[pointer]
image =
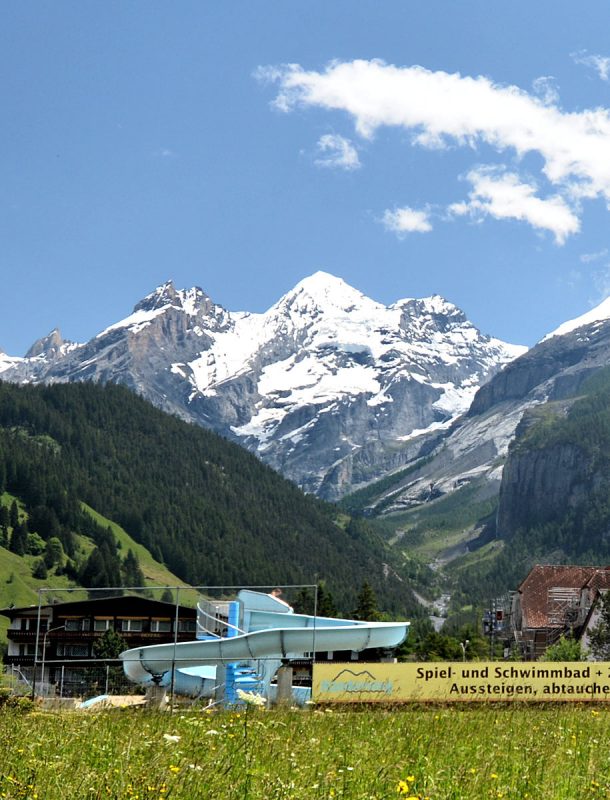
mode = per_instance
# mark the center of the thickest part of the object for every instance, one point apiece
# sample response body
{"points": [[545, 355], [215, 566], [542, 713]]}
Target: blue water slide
{"points": [[271, 633]]}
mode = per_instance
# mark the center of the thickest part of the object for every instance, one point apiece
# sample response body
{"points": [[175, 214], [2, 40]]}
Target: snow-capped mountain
{"points": [[474, 449], [597, 315], [325, 374]]}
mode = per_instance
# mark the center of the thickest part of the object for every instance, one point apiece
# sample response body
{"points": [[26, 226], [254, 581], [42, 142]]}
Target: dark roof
{"points": [[117, 604]]}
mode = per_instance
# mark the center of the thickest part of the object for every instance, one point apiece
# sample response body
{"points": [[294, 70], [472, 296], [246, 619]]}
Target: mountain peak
{"points": [[48, 345], [434, 304], [324, 291], [600, 313], [321, 281], [163, 295], [189, 300]]}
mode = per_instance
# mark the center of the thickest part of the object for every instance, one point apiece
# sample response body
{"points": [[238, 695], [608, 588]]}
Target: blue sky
{"points": [[412, 148]]}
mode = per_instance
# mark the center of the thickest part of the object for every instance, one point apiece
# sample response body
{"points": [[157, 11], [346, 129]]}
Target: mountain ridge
{"points": [[322, 375]]}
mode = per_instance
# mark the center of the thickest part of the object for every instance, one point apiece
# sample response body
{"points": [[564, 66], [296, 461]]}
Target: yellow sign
{"points": [[461, 681]]}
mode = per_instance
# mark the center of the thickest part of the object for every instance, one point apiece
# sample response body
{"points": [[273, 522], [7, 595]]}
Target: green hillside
{"points": [[97, 463]]}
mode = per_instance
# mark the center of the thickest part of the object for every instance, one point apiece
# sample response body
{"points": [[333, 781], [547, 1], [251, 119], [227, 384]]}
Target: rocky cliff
{"points": [[556, 485], [541, 483]]}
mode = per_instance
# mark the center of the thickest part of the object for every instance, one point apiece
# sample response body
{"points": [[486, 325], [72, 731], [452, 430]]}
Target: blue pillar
{"points": [[230, 685]]}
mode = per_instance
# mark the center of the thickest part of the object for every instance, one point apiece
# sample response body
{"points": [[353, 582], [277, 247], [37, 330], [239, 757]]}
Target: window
{"points": [[187, 625], [102, 624], [77, 624], [29, 650], [160, 625], [73, 650], [131, 625], [29, 624]]}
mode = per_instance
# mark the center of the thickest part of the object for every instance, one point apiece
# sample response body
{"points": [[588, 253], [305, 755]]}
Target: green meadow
{"points": [[473, 752]]}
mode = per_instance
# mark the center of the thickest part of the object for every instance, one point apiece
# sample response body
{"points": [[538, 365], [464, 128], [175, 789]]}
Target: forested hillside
{"points": [[206, 508]]}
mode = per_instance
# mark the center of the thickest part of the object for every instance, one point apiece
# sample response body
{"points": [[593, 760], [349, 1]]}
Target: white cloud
{"points": [[441, 109], [588, 258], [406, 220], [601, 64], [336, 151], [546, 89], [503, 196]]}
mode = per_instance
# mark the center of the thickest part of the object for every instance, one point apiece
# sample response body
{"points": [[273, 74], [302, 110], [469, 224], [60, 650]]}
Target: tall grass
{"points": [[475, 752]]}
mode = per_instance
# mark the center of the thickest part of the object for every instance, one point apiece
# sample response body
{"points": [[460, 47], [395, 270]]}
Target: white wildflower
{"points": [[251, 698]]}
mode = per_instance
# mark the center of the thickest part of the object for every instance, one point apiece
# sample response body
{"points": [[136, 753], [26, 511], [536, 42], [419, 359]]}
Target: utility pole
{"points": [[493, 623]]}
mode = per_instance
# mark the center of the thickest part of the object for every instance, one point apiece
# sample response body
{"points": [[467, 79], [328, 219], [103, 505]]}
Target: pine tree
{"points": [[101, 571], [304, 602], [19, 539], [132, 573], [13, 514], [367, 609], [40, 570], [326, 604]]}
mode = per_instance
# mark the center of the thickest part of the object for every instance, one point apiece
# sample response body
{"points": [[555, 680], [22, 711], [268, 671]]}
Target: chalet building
{"points": [[554, 600], [67, 632]]}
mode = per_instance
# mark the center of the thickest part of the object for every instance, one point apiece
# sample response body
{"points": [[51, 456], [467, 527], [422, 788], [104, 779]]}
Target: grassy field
{"points": [[438, 753]]}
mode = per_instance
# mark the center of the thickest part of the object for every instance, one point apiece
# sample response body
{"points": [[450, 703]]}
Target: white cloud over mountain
{"points": [[442, 110], [503, 196]]}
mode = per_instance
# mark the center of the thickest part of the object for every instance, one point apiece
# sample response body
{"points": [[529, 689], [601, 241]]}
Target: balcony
{"points": [[18, 661], [22, 636]]}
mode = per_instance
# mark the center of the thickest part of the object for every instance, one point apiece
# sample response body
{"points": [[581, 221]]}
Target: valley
{"points": [[406, 415]]}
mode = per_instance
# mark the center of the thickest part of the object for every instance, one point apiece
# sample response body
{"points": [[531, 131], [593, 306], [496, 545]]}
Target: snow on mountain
{"points": [[600, 314], [323, 373], [340, 340], [9, 362]]}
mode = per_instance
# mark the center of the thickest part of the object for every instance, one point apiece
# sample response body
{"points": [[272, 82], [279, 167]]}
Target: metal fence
{"points": [[82, 679]]}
